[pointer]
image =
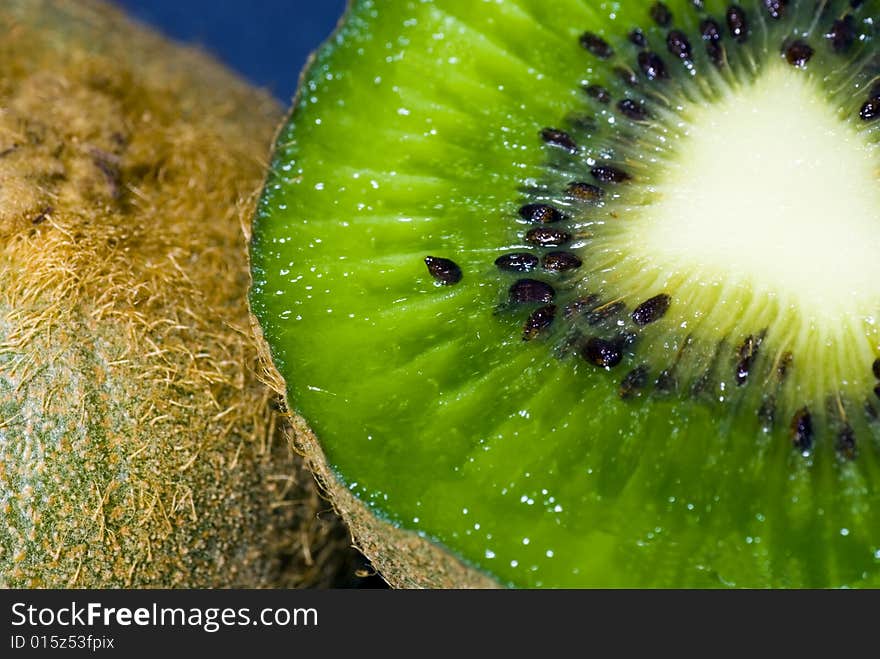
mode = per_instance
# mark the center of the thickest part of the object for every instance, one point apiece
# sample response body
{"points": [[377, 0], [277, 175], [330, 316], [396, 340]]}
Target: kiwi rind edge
{"points": [[404, 559]]}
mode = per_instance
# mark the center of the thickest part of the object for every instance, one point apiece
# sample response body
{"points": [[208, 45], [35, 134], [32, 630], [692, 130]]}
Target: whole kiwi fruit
{"points": [[575, 293], [138, 445]]}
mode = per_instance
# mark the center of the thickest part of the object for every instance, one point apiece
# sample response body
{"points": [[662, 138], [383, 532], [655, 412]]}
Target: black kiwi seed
{"points": [[599, 93], [677, 44], [548, 237], [776, 8], [633, 109], [600, 352], [875, 367], [638, 38], [596, 45], [584, 191], [798, 53], [556, 137], [651, 310], [543, 213], [711, 33], [870, 110], [842, 34], [608, 174], [633, 382], [802, 430], [652, 66], [560, 261], [627, 76], [539, 320], [846, 442], [743, 367], [443, 270], [737, 23], [710, 30], [524, 291], [877, 391], [517, 262], [661, 14]]}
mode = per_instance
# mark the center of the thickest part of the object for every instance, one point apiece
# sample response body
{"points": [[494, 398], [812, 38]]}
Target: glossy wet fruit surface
{"points": [[586, 292]]}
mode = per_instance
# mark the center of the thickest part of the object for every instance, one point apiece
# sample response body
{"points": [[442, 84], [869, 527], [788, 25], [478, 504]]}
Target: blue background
{"points": [[267, 41]]}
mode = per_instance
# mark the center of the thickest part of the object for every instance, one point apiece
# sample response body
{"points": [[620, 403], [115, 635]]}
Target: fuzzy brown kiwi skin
{"points": [[403, 558], [138, 446]]}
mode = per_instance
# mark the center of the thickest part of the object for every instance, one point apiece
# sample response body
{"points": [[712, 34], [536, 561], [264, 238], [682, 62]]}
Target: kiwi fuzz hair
{"points": [[139, 446]]}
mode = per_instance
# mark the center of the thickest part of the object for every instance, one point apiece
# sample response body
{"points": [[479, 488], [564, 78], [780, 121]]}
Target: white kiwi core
{"points": [[772, 190]]}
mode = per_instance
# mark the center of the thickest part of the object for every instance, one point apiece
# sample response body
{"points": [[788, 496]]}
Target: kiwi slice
{"points": [[138, 445], [585, 294]]}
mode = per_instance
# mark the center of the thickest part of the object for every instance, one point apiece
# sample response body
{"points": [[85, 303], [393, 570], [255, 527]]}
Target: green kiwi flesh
{"points": [[138, 445], [584, 294]]}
